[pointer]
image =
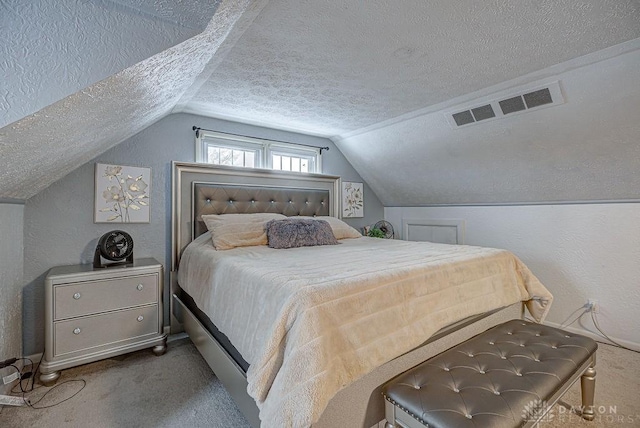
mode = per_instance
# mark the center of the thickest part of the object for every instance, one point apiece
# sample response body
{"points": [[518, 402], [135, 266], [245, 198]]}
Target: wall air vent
{"points": [[506, 103], [538, 98], [512, 105], [463, 118], [483, 112]]}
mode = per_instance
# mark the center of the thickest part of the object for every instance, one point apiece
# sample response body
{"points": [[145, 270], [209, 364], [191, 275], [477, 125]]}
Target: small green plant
{"points": [[376, 233]]}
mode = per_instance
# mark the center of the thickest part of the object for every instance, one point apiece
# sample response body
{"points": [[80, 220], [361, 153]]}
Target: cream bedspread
{"points": [[312, 320]]}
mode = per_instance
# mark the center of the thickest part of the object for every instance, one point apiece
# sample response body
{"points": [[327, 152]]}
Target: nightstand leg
{"points": [[160, 349], [49, 379]]}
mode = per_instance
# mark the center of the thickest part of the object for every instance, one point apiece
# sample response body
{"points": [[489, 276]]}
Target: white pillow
{"points": [[341, 230], [238, 230]]}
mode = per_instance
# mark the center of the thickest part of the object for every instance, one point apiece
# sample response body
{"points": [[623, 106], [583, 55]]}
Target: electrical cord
{"points": [[597, 325], [32, 375], [27, 389], [564, 324], [584, 311], [17, 370], [33, 381], [26, 359], [33, 404], [24, 375], [594, 318]]}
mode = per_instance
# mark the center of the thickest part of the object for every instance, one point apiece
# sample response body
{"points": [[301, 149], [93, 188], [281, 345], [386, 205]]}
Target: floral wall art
{"points": [[352, 199], [122, 194]]}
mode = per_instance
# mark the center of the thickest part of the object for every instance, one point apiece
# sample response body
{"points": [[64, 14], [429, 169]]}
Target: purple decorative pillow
{"points": [[291, 233]]}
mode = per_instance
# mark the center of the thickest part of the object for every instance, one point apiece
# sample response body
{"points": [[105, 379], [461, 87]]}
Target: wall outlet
{"points": [[593, 304]]}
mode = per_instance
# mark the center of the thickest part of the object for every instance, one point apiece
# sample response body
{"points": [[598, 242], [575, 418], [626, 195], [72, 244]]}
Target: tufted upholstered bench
{"points": [[508, 376]]}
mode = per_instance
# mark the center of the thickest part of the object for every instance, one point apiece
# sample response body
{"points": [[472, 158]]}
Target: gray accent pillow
{"points": [[292, 233]]}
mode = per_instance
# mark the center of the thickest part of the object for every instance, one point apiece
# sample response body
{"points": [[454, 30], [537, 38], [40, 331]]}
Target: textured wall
{"points": [[332, 67], [53, 48], [585, 149], [59, 226], [11, 275], [577, 252], [72, 131]]}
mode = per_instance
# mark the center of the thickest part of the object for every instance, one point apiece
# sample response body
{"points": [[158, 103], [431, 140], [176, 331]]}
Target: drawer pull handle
{"points": [[140, 287], [140, 318], [76, 330], [77, 296]]}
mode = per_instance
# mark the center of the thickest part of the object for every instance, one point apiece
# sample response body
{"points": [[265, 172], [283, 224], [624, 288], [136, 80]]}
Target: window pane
{"points": [[292, 162], [213, 154], [249, 152], [295, 164], [226, 156], [286, 163], [238, 158], [250, 159]]}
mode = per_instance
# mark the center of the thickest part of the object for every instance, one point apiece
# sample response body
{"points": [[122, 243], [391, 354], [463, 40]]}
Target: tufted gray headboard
{"points": [[239, 199], [211, 189]]}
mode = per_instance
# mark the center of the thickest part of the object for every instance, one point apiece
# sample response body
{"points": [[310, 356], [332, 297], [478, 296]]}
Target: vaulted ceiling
{"points": [[84, 76], [332, 67]]}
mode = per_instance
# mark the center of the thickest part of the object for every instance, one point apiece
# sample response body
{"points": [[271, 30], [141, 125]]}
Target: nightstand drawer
{"points": [[92, 297], [99, 330]]}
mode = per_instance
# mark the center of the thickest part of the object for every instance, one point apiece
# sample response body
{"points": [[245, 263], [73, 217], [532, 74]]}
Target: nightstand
{"points": [[92, 314]]}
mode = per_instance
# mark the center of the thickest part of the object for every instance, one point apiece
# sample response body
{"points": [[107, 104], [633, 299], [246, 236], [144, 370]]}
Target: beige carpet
{"points": [[179, 390], [617, 393]]}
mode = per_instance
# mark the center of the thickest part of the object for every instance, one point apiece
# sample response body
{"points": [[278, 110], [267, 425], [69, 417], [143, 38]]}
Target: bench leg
{"points": [[588, 384], [390, 415]]}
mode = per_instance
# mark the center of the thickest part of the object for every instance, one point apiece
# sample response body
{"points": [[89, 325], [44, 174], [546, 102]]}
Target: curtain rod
{"points": [[198, 129]]}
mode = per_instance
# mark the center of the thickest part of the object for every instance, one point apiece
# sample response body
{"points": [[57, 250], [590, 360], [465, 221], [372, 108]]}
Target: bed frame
{"points": [[205, 189]]}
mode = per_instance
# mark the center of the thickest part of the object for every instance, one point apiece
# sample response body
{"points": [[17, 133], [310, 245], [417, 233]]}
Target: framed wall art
{"points": [[122, 194], [352, 199]]}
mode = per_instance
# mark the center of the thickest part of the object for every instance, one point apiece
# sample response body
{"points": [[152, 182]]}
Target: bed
{"points": [[309, 334]]}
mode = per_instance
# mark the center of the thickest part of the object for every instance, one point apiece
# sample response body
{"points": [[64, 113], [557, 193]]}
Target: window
{"points": [[234, 150], [286, 158]]}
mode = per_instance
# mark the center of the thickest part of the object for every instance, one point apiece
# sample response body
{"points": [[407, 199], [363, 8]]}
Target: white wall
{"points": [[577, 252], [11, 275], [587, 149]]}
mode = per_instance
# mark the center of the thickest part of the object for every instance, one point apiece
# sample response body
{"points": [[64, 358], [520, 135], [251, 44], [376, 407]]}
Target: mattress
{"points": [[312, 320]]}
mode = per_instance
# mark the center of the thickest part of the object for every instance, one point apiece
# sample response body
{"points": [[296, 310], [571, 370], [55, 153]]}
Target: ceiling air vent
{"points": [[495, 107]]}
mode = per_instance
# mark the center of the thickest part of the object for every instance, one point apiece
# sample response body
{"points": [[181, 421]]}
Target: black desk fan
{"points": [[116, 246], [386, 228]]}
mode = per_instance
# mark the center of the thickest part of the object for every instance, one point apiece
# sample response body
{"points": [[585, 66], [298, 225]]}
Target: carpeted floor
{"points": [[617, 393], [179, 390], [139, 389]]}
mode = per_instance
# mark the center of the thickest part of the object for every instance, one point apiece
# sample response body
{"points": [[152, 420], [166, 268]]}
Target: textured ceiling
{"points": [[81, 76], [51, 49], [194, 14], [329, 67], [43, 147]]}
